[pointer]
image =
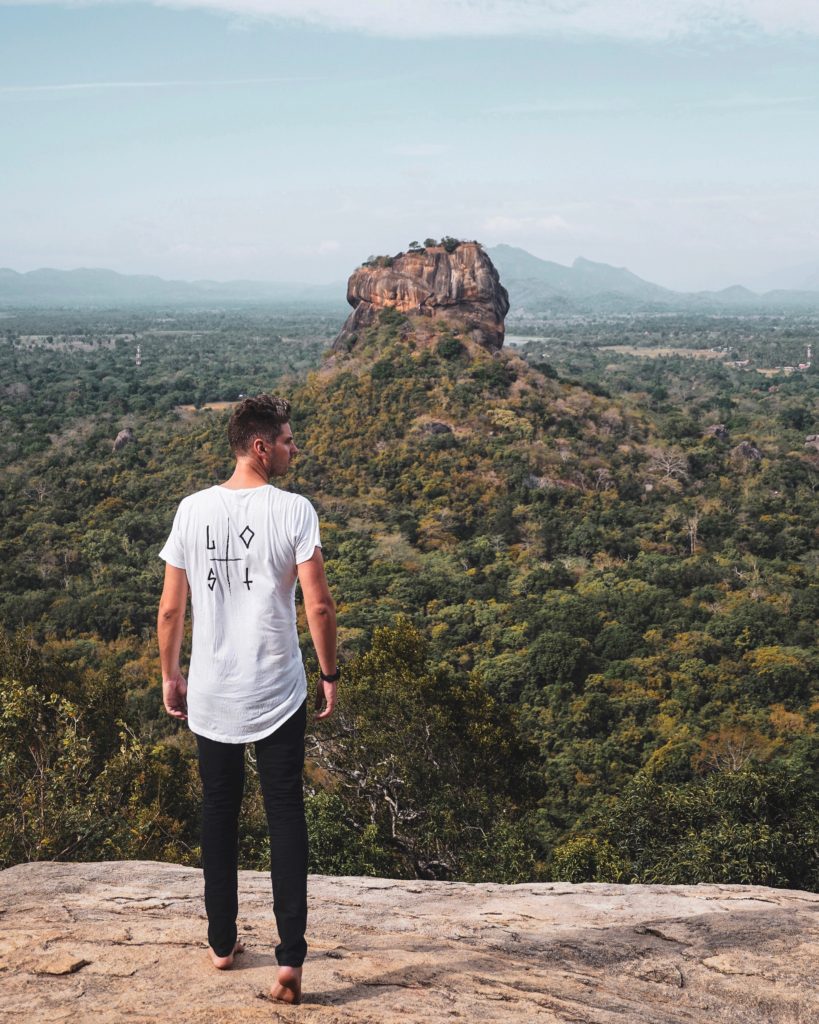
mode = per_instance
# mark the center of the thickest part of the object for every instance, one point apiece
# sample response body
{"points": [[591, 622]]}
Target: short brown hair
{"points": [[262, 416]]}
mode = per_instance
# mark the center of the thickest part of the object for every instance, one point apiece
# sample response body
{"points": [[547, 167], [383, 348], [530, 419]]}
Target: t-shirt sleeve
{"points": [[174, 552], [306, 537]]}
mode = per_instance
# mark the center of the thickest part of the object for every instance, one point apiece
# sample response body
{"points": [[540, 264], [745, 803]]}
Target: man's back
{"points": [[240, 549]]}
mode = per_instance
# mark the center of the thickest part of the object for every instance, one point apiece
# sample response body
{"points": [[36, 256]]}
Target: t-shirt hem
{"points": [[254, 736]]}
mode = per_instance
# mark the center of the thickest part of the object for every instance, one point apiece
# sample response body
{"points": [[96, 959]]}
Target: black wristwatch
{"points": [[332, 678]]}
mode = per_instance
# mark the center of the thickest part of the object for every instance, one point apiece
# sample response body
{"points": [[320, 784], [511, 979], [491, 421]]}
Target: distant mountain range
{"points": [[535, 286], [804, 277], [540, 286], [101, 288]]}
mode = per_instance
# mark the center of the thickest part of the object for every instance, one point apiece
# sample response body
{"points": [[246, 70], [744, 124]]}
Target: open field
{"points": [[68, 343], [216, 406], [656, 353]]}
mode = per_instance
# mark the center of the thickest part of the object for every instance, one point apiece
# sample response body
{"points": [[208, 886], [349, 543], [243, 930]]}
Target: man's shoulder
{"points": [[197, 498], [295, 502]]}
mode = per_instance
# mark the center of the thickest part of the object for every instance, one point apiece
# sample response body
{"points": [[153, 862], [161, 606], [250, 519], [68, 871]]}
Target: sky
{"points": [[290, 139]]}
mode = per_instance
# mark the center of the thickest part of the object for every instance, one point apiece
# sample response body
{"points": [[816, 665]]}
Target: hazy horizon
{"points": [[340, 282], [271, 140]]}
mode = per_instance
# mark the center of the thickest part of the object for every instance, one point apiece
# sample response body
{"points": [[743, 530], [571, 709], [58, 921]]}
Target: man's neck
{"points": [[246, 474]]}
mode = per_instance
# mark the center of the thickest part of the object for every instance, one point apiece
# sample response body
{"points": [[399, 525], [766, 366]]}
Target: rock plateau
{"points": [[114, 942], [458, 290]]}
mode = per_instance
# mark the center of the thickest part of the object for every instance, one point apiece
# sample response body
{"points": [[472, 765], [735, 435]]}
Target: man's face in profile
{"points": [[280, 451]]}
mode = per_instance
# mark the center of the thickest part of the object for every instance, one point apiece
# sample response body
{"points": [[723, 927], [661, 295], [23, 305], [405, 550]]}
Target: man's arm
{"points": [[170, 626], [321, 619]]}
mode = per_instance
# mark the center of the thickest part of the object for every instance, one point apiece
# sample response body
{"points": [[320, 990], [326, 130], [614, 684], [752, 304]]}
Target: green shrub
{"points": [[449, 348]]}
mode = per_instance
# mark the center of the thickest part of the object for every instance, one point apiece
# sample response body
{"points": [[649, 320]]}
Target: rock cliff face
{"points": [[107, 943], [460, 290]]}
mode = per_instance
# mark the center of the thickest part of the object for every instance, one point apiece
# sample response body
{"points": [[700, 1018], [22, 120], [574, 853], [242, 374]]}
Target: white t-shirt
{"points": [[240, 549]]}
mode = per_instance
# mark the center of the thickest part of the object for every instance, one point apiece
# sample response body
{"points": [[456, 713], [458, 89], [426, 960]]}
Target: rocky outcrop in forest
{"points": [[457, 289], [125, 436], [110, 942]]}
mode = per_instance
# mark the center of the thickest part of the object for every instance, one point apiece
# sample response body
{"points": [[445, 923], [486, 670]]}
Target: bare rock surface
{"points": [[125, 436], [746, 450], [460, 290], [125, 941]]}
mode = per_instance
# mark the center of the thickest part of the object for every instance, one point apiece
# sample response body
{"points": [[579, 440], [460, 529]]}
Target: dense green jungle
{"points": [[576, 582]]}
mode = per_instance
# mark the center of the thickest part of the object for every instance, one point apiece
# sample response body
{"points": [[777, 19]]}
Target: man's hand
{"points": [[170, 625], [325, 699], [321, 618], [174, 696]]}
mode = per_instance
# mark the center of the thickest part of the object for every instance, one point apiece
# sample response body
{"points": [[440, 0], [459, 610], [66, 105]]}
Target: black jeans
{"points": [[280, 761]]}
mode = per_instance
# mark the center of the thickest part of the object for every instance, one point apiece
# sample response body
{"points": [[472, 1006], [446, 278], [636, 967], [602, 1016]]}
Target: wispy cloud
{"points": [[328, 246], [647, 104], [623, 19], [181, 83], [549, 225], [754, 102], [419, 150], [559, 108]]}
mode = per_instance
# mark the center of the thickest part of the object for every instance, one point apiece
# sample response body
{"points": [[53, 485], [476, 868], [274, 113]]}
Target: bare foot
{"points": [[287, 988], [222, 963]]}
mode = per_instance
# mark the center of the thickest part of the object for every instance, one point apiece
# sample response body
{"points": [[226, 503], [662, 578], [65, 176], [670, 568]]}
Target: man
{"points": [[239, 547]]}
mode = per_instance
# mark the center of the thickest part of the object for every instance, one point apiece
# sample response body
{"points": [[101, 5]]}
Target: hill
{"points": [[541, 286], [577, 601], [583, 279]]}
